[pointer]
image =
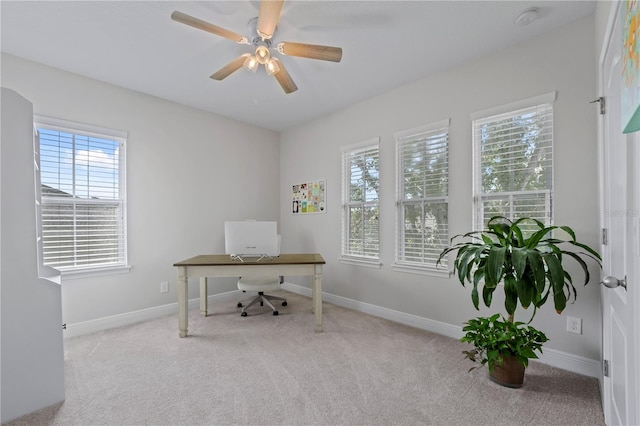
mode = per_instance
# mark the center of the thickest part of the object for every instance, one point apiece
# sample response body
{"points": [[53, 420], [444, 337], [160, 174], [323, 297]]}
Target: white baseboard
{"points": [[552, 357], [100, 324], [571, 362], [379, 311], [555, 358]]}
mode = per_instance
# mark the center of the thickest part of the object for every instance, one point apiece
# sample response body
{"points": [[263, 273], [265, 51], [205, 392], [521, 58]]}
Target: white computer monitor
{"points": [[251, 239]]}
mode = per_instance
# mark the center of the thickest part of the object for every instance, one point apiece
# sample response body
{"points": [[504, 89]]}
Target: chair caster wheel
{"points": [[261, 303], [239, 305], [275, 312], [284, 303], [244, 314]]}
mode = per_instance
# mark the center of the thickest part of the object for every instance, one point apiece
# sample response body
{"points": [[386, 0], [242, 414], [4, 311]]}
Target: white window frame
{"points": [[515, 109], [121, 265], [371, 257], [44, 271], [402, 259]]}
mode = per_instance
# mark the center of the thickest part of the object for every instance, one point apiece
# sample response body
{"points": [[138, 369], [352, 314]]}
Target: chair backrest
{"points": [[252, 238]]}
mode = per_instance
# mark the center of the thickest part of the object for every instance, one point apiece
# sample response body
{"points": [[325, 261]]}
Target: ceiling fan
{"points": [[262, 29]]}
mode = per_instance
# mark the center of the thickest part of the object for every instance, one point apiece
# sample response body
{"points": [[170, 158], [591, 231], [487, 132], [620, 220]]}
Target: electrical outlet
{"points": [[164, 287], [574, 325]]}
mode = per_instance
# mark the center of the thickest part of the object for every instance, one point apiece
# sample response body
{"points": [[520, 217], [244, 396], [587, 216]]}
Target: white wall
{"points": [[561, 61], [187, 172], [32, 372]]}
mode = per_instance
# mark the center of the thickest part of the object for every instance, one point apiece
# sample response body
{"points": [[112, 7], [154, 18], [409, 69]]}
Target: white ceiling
{"points": [[386, 44]]}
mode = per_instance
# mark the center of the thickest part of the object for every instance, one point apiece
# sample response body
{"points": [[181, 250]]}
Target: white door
{"points": [[620, 213]]}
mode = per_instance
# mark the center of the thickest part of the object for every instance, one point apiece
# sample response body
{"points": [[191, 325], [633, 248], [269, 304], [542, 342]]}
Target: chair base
{"points": [[262, 298]]}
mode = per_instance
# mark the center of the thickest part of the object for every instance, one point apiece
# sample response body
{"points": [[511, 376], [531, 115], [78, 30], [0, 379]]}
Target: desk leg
{"points": [[203, 296], [313, 294], [317, 297], [183, 302]]}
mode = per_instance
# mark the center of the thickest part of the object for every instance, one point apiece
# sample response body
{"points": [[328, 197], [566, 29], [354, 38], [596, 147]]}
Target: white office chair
{"points": [[255, 239], [261, 285]]}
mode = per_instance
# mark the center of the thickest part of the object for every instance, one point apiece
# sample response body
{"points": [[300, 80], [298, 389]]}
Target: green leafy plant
{"points": [[526, 256], [494, 338]]}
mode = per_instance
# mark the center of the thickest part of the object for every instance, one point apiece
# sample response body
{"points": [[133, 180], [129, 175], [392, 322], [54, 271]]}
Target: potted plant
{"points": [[504, 346], [526, 257]]}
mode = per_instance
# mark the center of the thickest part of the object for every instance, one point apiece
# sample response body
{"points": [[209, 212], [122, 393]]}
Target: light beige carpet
{"points": [[275, 370]]}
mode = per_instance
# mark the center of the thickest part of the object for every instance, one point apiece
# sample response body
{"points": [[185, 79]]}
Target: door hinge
{"points": [[605, 368], [602, 102], [64, 326], [605, 241]]}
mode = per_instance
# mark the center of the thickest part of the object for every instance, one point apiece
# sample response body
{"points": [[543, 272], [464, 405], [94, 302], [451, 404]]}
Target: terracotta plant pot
{"points": [[510, 373]]}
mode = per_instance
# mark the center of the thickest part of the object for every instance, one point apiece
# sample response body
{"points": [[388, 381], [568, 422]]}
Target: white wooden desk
{"points": [[221, 265]]}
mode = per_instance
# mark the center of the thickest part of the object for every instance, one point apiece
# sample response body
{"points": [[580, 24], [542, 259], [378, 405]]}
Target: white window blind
{"points": [[513, 165], [83, 198], [423, 190], [361, 176]]}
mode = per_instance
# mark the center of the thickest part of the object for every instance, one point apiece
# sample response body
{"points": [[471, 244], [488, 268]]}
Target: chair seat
{"points": [[259, 284]]}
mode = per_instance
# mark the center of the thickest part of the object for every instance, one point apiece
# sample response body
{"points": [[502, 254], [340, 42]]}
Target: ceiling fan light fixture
{"points": [[262, 30], [263, 55], [251, 63], [272, 67]]}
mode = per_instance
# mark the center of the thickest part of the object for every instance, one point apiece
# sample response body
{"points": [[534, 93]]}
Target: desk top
{"points": [[225, 259]]}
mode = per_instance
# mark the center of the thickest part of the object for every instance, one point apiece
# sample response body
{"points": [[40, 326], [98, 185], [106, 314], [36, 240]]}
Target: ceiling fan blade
{"points": [[284, 79], [205, 26], [313, 51], [268, 17], [230, 68]]}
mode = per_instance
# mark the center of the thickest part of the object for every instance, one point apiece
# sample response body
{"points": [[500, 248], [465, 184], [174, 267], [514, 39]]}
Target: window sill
{"points": [[368, 263], [77, 274], [421, 270]]}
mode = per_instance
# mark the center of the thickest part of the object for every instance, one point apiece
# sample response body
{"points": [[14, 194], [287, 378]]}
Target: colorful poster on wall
{"points": [[631, 66], [309, 197]]}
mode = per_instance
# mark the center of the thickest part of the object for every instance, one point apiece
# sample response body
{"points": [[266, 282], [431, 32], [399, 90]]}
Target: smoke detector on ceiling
{"points": [[527, 16]]}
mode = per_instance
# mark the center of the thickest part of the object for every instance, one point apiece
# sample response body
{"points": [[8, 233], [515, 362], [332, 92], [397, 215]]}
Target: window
{"points": [[422, 196], [360, 183], [83, 203], [513, 170]]}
